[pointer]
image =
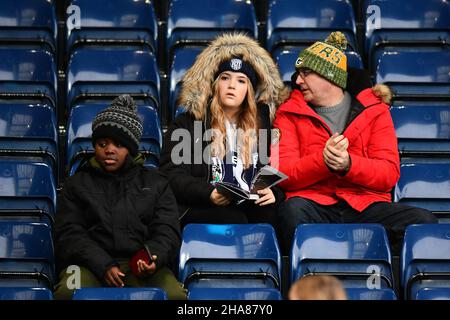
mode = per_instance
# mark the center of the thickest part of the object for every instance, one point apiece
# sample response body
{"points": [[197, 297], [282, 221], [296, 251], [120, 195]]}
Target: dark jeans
{"points": [[395, 217]]}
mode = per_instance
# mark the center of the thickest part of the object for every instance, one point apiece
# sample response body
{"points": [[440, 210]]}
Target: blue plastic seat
{"points": [[230, 256], [290, 23], [28, 23], [28, 74], [425, 260], [119, 294], [370, 294], [425, 183], [103, 74], [351, 252], [11, 293], [395, 24], [421, 128], [433, 294], [287, 57], [79, 131], [234, 294], [26, 258], [29, 130], [416, 75], [196, 22], [28, 189], [183, 59], [109, 23]]}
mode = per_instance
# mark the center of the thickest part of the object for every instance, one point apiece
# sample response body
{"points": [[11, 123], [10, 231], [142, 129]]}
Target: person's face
{"points": [[233, 88], [110, 155], [315, 89]]}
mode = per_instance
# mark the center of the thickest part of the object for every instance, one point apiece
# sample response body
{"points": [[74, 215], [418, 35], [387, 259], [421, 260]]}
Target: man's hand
{"points": [[219, 199], [113, 277], [335, 153], [146, 269], [266, 197]]}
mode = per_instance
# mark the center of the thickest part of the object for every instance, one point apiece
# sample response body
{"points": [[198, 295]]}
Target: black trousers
{"points": [[395, 217], [246, 212]]}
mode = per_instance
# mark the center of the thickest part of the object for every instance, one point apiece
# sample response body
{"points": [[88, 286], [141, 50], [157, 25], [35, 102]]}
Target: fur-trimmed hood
{"points": [[197, 91], [383, 92]]}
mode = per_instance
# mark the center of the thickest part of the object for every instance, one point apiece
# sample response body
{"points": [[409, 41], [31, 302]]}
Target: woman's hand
{"points": [[146, 269], [266, 197], [219, 199], [113, 277]]}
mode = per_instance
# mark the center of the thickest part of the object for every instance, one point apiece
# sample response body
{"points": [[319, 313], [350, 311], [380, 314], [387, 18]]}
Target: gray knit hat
{"points": [[119, 122]]}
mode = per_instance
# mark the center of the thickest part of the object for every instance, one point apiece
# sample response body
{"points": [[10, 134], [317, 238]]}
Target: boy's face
{"points": [[110, 154]]}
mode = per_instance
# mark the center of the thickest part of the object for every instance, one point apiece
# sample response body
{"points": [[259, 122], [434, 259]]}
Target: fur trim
{"points": [[196, 90], [383, 92]]}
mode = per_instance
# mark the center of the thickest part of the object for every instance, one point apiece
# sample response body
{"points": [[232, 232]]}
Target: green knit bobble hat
{"points": [[327, 58]]}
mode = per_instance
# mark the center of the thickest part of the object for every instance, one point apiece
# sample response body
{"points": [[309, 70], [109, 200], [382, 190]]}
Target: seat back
{"points": [[196, 22], [425, 182], [231, 254], [394, 24], [122, 23], [370, 294], [425, 260], [119, 294], [14, 293], [28, 23], [433, 294], [348, 251], [103, 74], [234, 294], [28, 74], [291, 23], [27, 254]]}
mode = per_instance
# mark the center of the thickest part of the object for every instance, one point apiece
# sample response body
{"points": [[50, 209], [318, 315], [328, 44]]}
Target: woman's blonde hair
{"points": [[247, 125]]}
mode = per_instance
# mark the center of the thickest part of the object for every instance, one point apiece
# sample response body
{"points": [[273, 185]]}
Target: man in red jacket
{"points": [[340, 152]]}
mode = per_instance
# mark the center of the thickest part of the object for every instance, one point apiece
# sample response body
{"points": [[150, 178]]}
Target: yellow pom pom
{"points": [[338, 40]]}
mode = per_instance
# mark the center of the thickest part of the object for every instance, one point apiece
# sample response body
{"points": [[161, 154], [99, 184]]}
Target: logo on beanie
{"points": [[298, 62], [236, 64]]}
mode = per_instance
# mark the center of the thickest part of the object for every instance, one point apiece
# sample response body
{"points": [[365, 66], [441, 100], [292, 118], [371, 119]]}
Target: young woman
{"points": [[230, 96]]}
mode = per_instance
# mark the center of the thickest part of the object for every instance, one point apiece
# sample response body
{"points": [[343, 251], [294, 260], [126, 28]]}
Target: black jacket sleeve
{"points": [[188, 189], [72, 242], [164, 229]]}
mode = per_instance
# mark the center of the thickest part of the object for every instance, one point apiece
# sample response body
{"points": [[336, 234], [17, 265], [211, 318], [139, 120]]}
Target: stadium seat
{"points": [[234, 294], [29, 130], [351, 252], [183, 59], [433, 294], [196, 22], [119, 294], [294, 23], [128, 23], [26, 258], [370, 294], [425, 260], [416, 75], [28, 23], [229, 256], [103, 74], [11, 293], [286, 61], [79, 131], [28, 189], [418, 24], [423, 129], [425, 183], [27, 74]]}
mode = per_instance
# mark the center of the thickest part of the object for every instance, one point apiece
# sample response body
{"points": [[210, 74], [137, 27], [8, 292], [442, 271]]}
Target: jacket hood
{"points": [[196, 90]]}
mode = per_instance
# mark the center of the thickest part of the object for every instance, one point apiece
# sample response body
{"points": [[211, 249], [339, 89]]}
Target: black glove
{"points": [[357, 81]]}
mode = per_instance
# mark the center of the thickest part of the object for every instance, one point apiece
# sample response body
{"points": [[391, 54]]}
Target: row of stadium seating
{"points": [[244, 262]]}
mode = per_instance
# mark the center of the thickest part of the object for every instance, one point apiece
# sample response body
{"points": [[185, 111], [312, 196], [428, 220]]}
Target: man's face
{"points": [[110, 155], [315, 89]]}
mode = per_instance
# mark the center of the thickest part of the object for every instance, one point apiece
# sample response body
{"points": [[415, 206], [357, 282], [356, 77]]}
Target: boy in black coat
{"points": [[116, 220]]}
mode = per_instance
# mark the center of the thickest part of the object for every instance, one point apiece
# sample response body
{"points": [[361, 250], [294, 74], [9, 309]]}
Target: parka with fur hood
{"points": [[191, 182]]}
